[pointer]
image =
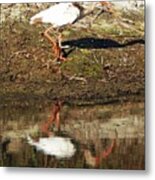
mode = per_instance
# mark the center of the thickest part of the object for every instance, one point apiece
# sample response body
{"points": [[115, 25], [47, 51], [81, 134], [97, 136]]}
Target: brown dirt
{"points": [[107, 55]]}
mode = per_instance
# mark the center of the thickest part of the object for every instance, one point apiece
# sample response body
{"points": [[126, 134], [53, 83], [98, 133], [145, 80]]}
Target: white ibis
{"points": [[59, 147], [58, 16]]}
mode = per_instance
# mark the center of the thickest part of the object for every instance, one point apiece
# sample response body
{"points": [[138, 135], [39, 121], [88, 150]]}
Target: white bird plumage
{"points": [[55, 146], [58, 15]]}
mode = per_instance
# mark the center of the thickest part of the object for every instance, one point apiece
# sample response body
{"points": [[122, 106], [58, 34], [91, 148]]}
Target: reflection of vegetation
{"points": [[91, 126], [126, 154], [32, 161], [129, 154], [104, 115]]}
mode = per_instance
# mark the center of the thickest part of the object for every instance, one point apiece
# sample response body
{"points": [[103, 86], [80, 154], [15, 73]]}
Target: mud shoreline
{"points": [[109, 56]]}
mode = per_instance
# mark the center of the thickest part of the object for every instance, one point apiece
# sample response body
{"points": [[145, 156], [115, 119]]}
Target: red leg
{"points": [[45, 128], [54, 118], [60, 57], [108, 151], [56, 46], [52, 41], [57, 121], [49, 37]]}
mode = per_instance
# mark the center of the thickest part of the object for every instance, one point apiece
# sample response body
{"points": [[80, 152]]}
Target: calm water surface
{"points": [[91, 129]]}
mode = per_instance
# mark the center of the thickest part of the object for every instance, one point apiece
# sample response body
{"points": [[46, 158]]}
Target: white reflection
{"points": [[56, 146]]}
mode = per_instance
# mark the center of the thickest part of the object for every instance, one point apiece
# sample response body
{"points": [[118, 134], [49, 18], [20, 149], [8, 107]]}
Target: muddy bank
{"points": [[107, 57]]}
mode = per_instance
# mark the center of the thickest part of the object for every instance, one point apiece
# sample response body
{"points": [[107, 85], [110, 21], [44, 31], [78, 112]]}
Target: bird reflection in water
{"points": [[62, 147]]}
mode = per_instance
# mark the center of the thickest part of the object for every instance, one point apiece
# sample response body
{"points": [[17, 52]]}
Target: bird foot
{"points": [[61, 59]]}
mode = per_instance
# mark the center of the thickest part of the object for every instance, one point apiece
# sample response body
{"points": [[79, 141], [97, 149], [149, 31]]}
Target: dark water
{"points": [[92, 129]]}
